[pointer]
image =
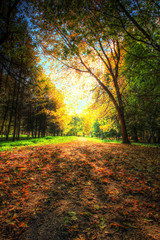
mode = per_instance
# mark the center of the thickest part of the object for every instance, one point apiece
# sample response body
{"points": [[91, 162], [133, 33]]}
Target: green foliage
{"points": [[96, 129], [112, 133], [99, 128], [142, 107], [75, 127]]}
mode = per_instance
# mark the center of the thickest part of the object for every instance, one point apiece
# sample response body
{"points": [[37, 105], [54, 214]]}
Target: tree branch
{"points": [[142, 30], [101, 84]]}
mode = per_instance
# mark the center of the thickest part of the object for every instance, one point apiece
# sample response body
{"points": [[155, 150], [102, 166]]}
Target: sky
{"points": [[76, 87]]}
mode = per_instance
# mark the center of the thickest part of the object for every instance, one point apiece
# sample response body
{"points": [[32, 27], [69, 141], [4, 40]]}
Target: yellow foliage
{"points": [[51, 101]]}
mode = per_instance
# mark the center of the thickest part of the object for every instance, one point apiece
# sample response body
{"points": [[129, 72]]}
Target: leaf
{"points": [[15, 216], [128, 224], [65, 220], [102, 224], [80, 237], [117, 225], [11, 223], [71, 213], [73, 218], [86, 213], [96, 206], [22, 224], [148, 220]]}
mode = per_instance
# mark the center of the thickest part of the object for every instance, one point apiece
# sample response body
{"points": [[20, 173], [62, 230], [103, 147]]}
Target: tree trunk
{"points": [[40, 130], [16, 113], [11, 112], [32, 133], [135, 137], [1, 76], [45, 125], [158, 134], [19, 128], [5, 116], [35, 132], [123, 128], [20, 112], [102, 135], [118, 105]]}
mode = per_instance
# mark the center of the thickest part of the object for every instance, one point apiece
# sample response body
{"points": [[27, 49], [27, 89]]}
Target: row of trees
{"points": [[116, 43], [29, 101]]}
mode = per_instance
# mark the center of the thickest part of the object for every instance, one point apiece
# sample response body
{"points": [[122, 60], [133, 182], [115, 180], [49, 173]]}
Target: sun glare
{"points": [[76, 87]]}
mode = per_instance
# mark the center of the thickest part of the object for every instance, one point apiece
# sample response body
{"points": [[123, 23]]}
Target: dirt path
{"points": [[96, 191]]}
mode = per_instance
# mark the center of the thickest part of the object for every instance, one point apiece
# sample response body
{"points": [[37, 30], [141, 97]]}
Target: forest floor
{"points": [[80, 190]]}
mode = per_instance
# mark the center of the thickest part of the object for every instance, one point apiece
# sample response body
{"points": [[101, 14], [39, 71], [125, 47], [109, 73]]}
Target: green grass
{"points": [[24, 141], [147, 144], [8, 145], [94, 139]]}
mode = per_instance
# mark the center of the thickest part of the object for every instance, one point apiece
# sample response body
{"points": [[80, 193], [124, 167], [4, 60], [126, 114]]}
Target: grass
{"points": [[25, 141], [147, 144], [94, 139], [8, 145]]}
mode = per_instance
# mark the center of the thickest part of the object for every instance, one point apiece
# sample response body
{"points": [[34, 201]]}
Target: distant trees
{"points": [[33, 109], [75, 126], [104, 130], [45, 109]]}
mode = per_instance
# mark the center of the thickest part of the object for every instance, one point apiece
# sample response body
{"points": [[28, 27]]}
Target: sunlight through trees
{"points": [[98, 55]]}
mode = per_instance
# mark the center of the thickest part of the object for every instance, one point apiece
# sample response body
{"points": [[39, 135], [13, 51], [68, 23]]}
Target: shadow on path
{"points": [[96, 192]]}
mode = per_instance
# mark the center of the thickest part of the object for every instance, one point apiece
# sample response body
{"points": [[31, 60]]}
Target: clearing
{"points": [[80, 190]]}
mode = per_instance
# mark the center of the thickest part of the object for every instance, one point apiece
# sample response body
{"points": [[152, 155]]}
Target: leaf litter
{"points": [[80, 190]]}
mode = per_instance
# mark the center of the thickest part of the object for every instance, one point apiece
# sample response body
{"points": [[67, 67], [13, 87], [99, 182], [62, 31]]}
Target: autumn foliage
{"points": [[80, 190]]}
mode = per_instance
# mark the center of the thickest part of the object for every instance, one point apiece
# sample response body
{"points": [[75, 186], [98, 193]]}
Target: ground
{"points": [[80, 191]]}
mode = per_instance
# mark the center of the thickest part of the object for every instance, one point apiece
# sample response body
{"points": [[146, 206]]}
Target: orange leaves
{"points": [[25, 191], [22, 224], [19, 177], [115, 224], [97, 181], [103, 171]]}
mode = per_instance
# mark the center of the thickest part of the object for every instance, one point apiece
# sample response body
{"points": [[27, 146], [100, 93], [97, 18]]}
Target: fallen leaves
{"points": [[102, 181]]}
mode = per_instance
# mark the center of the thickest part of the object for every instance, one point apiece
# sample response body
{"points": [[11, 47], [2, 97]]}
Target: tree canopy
{"points": [[116, 44]]}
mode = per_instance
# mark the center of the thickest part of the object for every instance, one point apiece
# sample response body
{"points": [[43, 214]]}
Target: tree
{"points": [[96, 129], [75, 126], [29, 101], [88, 116], [45, 109], [140, 20], [143, 92], [8, 11], [16, 62], [82, 41]]}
